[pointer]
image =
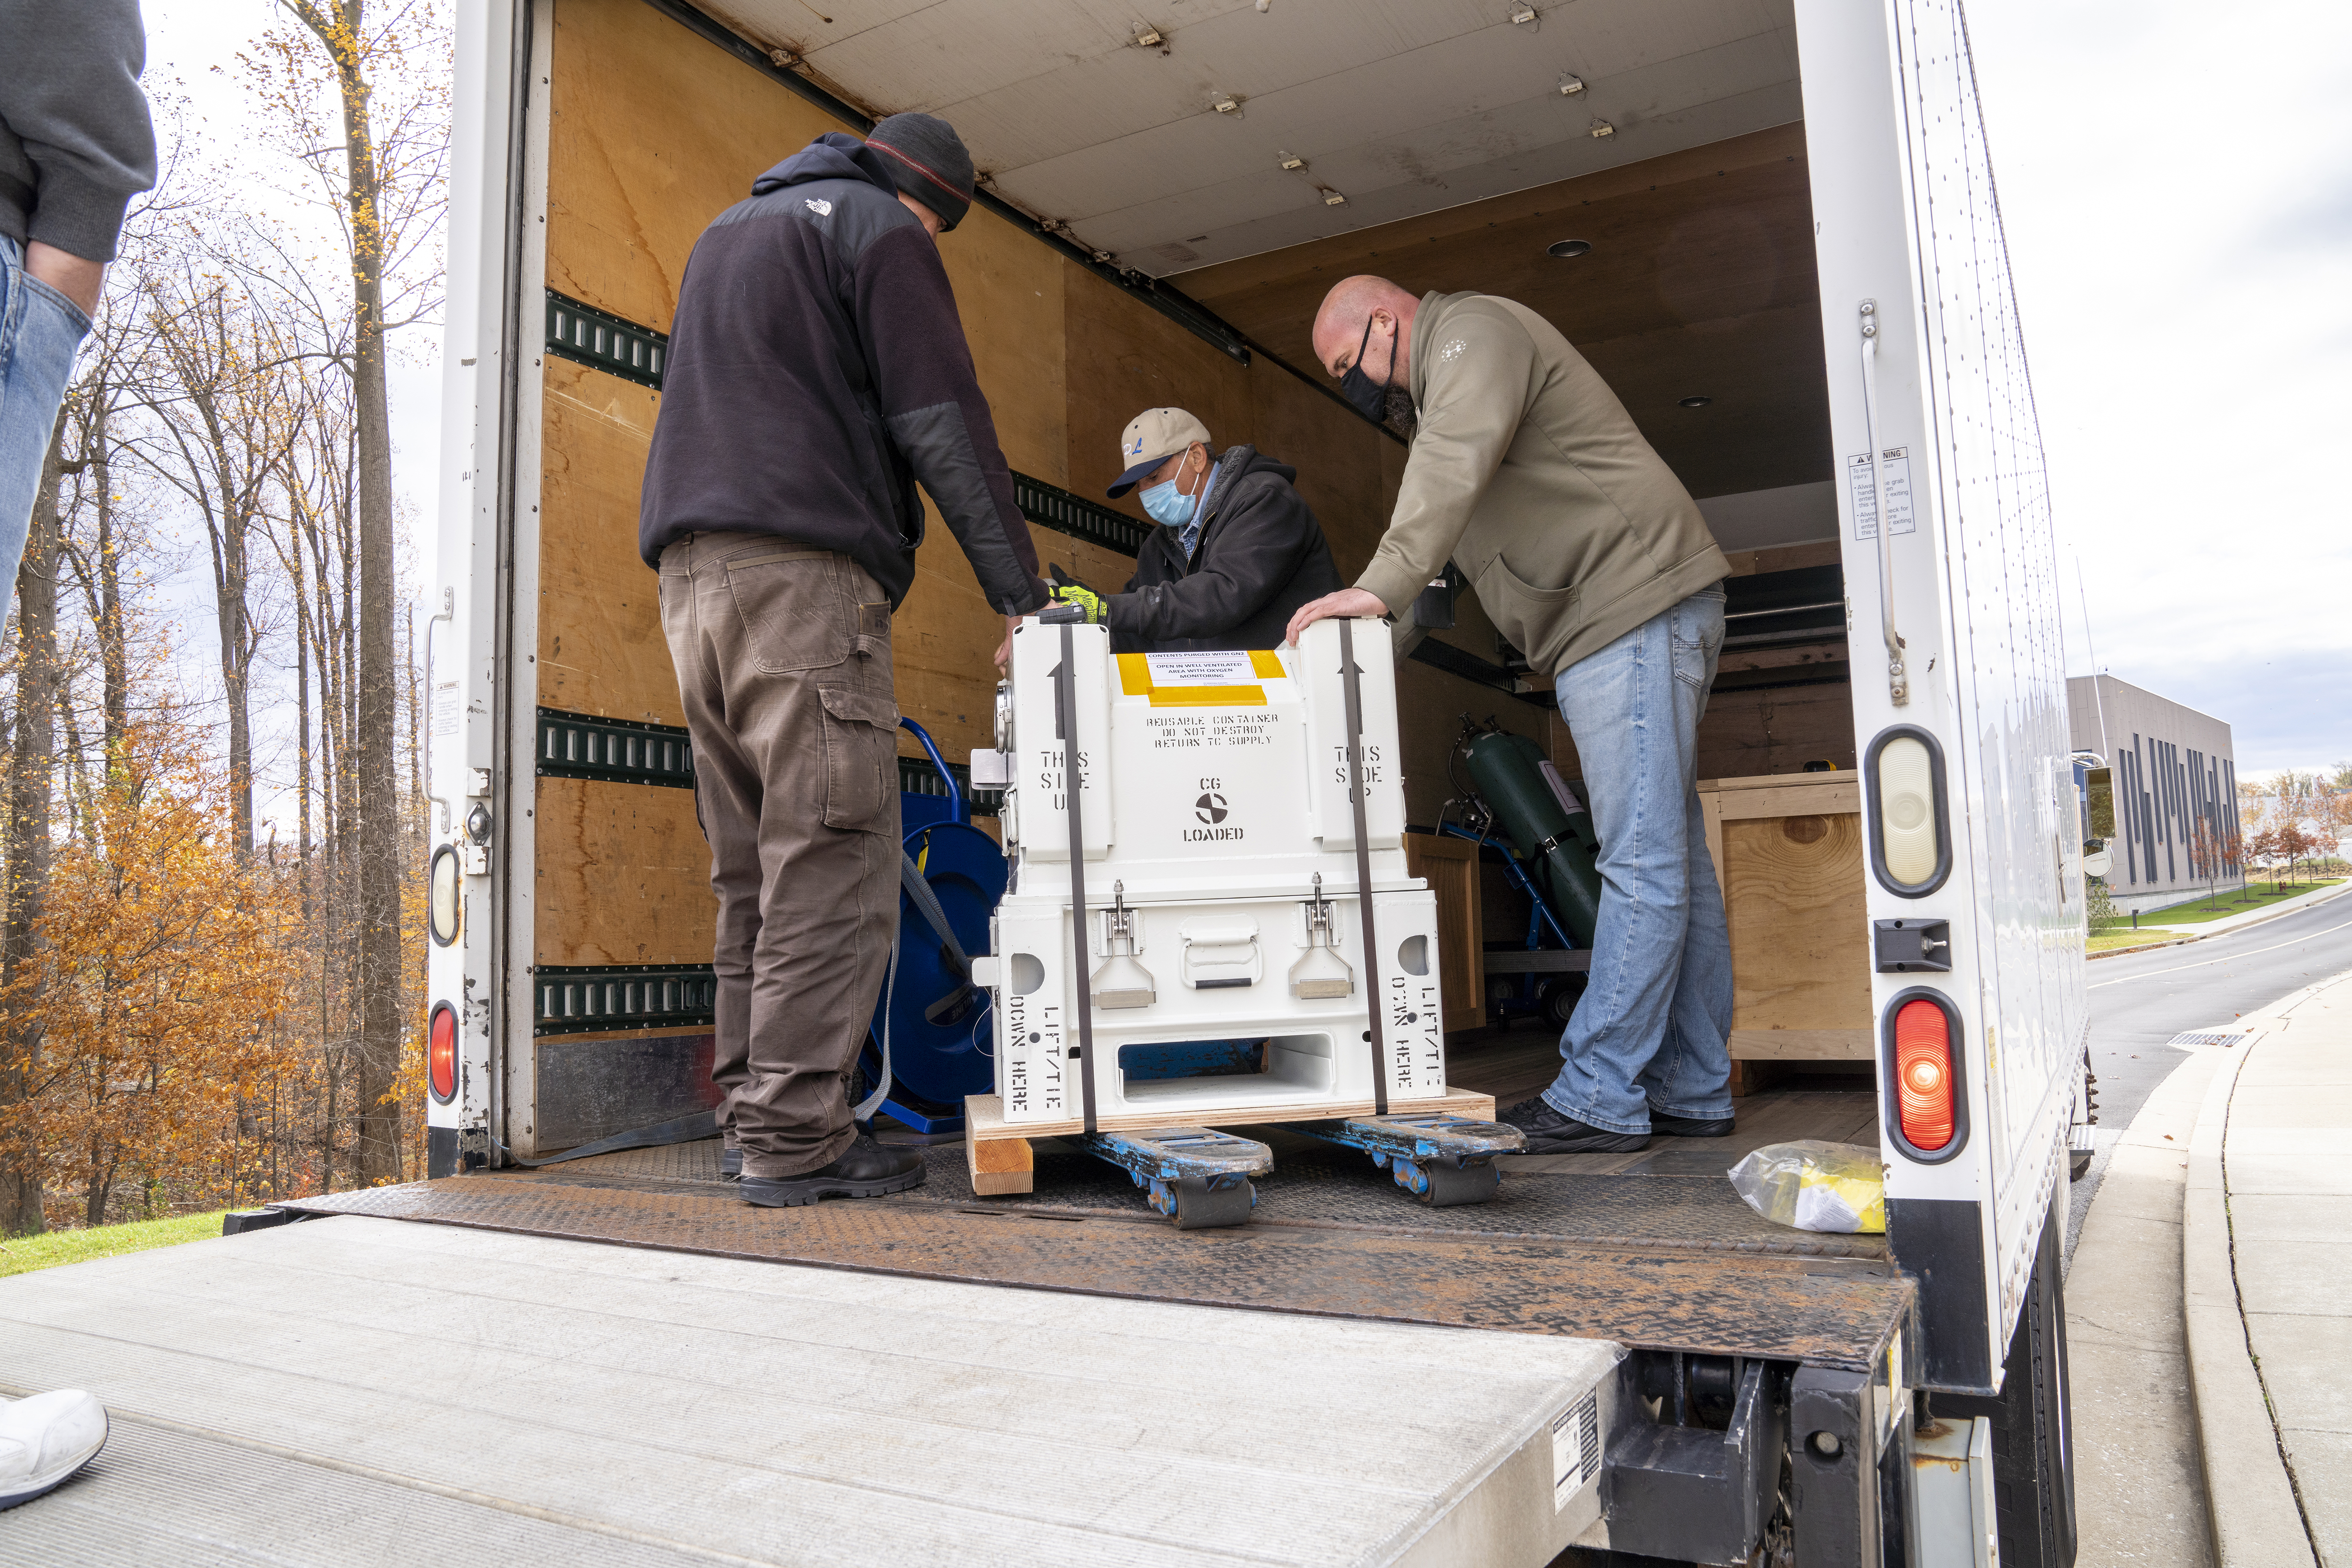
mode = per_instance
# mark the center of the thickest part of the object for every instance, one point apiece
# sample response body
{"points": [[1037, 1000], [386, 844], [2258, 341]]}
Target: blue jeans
{"points": [[1651, 1031], [40, 331]]}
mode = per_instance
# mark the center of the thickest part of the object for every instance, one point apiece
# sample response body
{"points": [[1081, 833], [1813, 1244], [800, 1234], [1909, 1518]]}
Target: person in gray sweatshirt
{"points": [[76, 144]]}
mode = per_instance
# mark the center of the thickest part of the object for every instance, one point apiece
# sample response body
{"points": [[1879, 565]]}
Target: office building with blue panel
{"points": [[2176, 789]]}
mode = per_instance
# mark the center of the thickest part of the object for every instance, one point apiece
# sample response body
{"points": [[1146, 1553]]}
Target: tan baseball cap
{"points": [[1152, 438]]}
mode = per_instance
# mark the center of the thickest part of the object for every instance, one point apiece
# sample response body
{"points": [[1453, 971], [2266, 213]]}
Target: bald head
{"points": [[1353, 304]]}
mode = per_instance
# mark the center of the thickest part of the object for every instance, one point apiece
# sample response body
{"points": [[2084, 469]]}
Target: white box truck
{"points": [[1772, 224]]}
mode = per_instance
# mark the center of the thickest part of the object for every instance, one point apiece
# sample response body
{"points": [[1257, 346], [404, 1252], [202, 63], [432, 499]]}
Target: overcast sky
{"points": [[2176, 181]]}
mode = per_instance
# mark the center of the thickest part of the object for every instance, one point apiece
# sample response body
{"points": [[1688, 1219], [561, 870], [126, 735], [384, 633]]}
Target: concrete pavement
{"points": [[2140, 1491], [2267, 1284]]}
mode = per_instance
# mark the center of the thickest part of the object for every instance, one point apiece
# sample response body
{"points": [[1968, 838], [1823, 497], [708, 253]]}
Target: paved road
{"points": [[2141, 1000]]}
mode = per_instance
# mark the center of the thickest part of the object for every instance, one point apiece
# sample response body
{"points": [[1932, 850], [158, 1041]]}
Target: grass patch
{"points": [[2108, 940], [22, 1255], [2258, 895]]}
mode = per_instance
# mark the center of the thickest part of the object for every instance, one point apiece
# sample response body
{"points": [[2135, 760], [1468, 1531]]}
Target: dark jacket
{"points": [[76, 143], [1260, 555], [817, 368]]}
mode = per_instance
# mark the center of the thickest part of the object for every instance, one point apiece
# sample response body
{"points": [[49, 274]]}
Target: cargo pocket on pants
{"points": [[860, 747]]}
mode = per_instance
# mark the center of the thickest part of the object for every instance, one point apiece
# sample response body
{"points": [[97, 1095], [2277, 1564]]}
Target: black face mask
{"points": [[1370, 397]]}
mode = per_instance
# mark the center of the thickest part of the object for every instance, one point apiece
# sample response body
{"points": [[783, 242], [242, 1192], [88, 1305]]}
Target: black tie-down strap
{"points": [[688, 1129], [1066, 726], [1349, 682], [957, 1004]]}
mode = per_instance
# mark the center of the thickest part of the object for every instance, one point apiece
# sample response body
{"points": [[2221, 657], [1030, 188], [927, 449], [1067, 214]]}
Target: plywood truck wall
{"points": [[652, 131]]}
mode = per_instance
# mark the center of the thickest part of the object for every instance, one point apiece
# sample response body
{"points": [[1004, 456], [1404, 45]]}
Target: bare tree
{"points": [[29, 807], [224, 418], [389, 193]]}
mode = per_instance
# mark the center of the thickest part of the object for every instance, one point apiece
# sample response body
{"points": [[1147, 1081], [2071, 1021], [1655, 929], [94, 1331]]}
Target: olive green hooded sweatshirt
{"points": [[1531, 476]]}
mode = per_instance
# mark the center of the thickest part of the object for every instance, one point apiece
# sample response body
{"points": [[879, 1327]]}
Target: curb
{"points": [[2139, 947], [2257, 1521]]}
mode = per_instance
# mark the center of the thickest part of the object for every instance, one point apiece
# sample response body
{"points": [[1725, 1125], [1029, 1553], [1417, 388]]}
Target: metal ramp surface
{"points": [[361, 1390], [1830, 1301]]}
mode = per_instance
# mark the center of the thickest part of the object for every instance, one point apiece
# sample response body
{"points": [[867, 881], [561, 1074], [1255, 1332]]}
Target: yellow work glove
{"points": [[1086, 599]]}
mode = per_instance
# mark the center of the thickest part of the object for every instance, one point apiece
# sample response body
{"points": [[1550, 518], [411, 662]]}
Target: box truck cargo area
{"points": [[1770, 225]]}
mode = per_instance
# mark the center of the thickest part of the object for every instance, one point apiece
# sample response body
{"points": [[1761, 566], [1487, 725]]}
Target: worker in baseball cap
{"points": [[817, 371], [1237, 551]]}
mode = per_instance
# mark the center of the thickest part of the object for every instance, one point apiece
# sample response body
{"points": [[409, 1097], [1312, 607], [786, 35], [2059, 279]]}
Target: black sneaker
{"points": [[1690, 1126], [731, 1164], [1550, 1132], [866, 1170]]}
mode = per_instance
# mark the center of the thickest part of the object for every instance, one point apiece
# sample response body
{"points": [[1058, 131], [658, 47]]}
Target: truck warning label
{"points": [[1895, 481], [1575, 1449]]}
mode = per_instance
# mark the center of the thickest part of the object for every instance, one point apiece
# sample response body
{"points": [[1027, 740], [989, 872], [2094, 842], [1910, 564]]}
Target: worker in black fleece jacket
{"points": [[817, 368], [1237, 552]]}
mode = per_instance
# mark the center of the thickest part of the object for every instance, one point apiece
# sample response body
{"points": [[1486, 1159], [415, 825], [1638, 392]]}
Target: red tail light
{"points": [[1924, 1088], [441, 1052]]}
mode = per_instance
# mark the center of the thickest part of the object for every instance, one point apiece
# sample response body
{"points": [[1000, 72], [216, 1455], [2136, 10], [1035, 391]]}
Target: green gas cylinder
{"points": [[1506, 768]]}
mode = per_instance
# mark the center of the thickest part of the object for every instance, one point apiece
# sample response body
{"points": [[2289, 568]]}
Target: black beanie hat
{"points": [[928, 160]]}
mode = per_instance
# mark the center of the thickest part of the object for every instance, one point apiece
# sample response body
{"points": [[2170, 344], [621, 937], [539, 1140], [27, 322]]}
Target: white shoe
{"points": [[44, 1439]]}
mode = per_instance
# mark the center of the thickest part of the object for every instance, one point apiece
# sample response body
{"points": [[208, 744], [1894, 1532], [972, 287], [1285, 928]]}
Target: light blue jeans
{"points": [[40, 331], [1651, 1031]]}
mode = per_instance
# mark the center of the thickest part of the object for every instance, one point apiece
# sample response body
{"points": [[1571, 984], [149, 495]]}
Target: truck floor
{"points": [[1650, 1259]]}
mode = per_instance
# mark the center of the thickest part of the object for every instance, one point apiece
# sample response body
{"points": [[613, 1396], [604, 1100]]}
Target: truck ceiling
{"points": [[1170, 153]]}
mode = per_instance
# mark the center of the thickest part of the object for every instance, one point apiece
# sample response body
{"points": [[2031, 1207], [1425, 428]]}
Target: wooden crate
{"points": [[1450, 867], [1788, 853]]}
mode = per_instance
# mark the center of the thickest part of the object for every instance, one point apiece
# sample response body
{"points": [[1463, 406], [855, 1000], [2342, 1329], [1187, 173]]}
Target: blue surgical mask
{"points": [[1170, 505]]}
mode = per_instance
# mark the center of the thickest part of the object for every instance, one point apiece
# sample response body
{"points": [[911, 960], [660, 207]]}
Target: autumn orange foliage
{"points": [[148, 1008]]}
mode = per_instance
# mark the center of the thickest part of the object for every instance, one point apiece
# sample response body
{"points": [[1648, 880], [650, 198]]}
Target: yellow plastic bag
{"points": [[1814, 1185]]}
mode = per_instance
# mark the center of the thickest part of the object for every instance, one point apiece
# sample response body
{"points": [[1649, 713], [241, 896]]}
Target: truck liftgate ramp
{"points": [[930, 1378]]}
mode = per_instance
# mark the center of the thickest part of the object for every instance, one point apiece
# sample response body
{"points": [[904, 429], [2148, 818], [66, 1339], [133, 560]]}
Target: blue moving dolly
{"points": [[1440, 1159], [1197, 1177]]}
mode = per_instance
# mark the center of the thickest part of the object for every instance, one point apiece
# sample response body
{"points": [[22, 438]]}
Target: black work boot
{"points": [[1550, 1132], [1691, 1126], [866, 1170]]}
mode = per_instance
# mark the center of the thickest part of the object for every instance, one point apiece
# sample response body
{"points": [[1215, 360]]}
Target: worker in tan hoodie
{"points": [[1592, 559]]}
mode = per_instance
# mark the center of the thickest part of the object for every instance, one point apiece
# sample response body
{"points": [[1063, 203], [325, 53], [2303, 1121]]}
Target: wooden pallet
{"points": [[1000, 1160]]}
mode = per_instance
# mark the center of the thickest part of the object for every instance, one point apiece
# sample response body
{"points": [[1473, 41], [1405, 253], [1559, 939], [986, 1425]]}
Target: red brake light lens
{"points": [[1923, 1074], [441, 1052]]}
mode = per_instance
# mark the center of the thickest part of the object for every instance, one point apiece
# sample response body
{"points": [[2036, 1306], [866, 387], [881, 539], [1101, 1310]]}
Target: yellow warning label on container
{"points": [[1217, 680]]}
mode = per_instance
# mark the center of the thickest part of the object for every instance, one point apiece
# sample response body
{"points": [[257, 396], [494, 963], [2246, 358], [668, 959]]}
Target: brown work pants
{"points": [[784, 663]]}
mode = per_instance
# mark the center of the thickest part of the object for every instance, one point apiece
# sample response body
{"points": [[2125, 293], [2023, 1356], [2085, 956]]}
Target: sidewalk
{"points": [[2266, 1270], [2139, 1491]]}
